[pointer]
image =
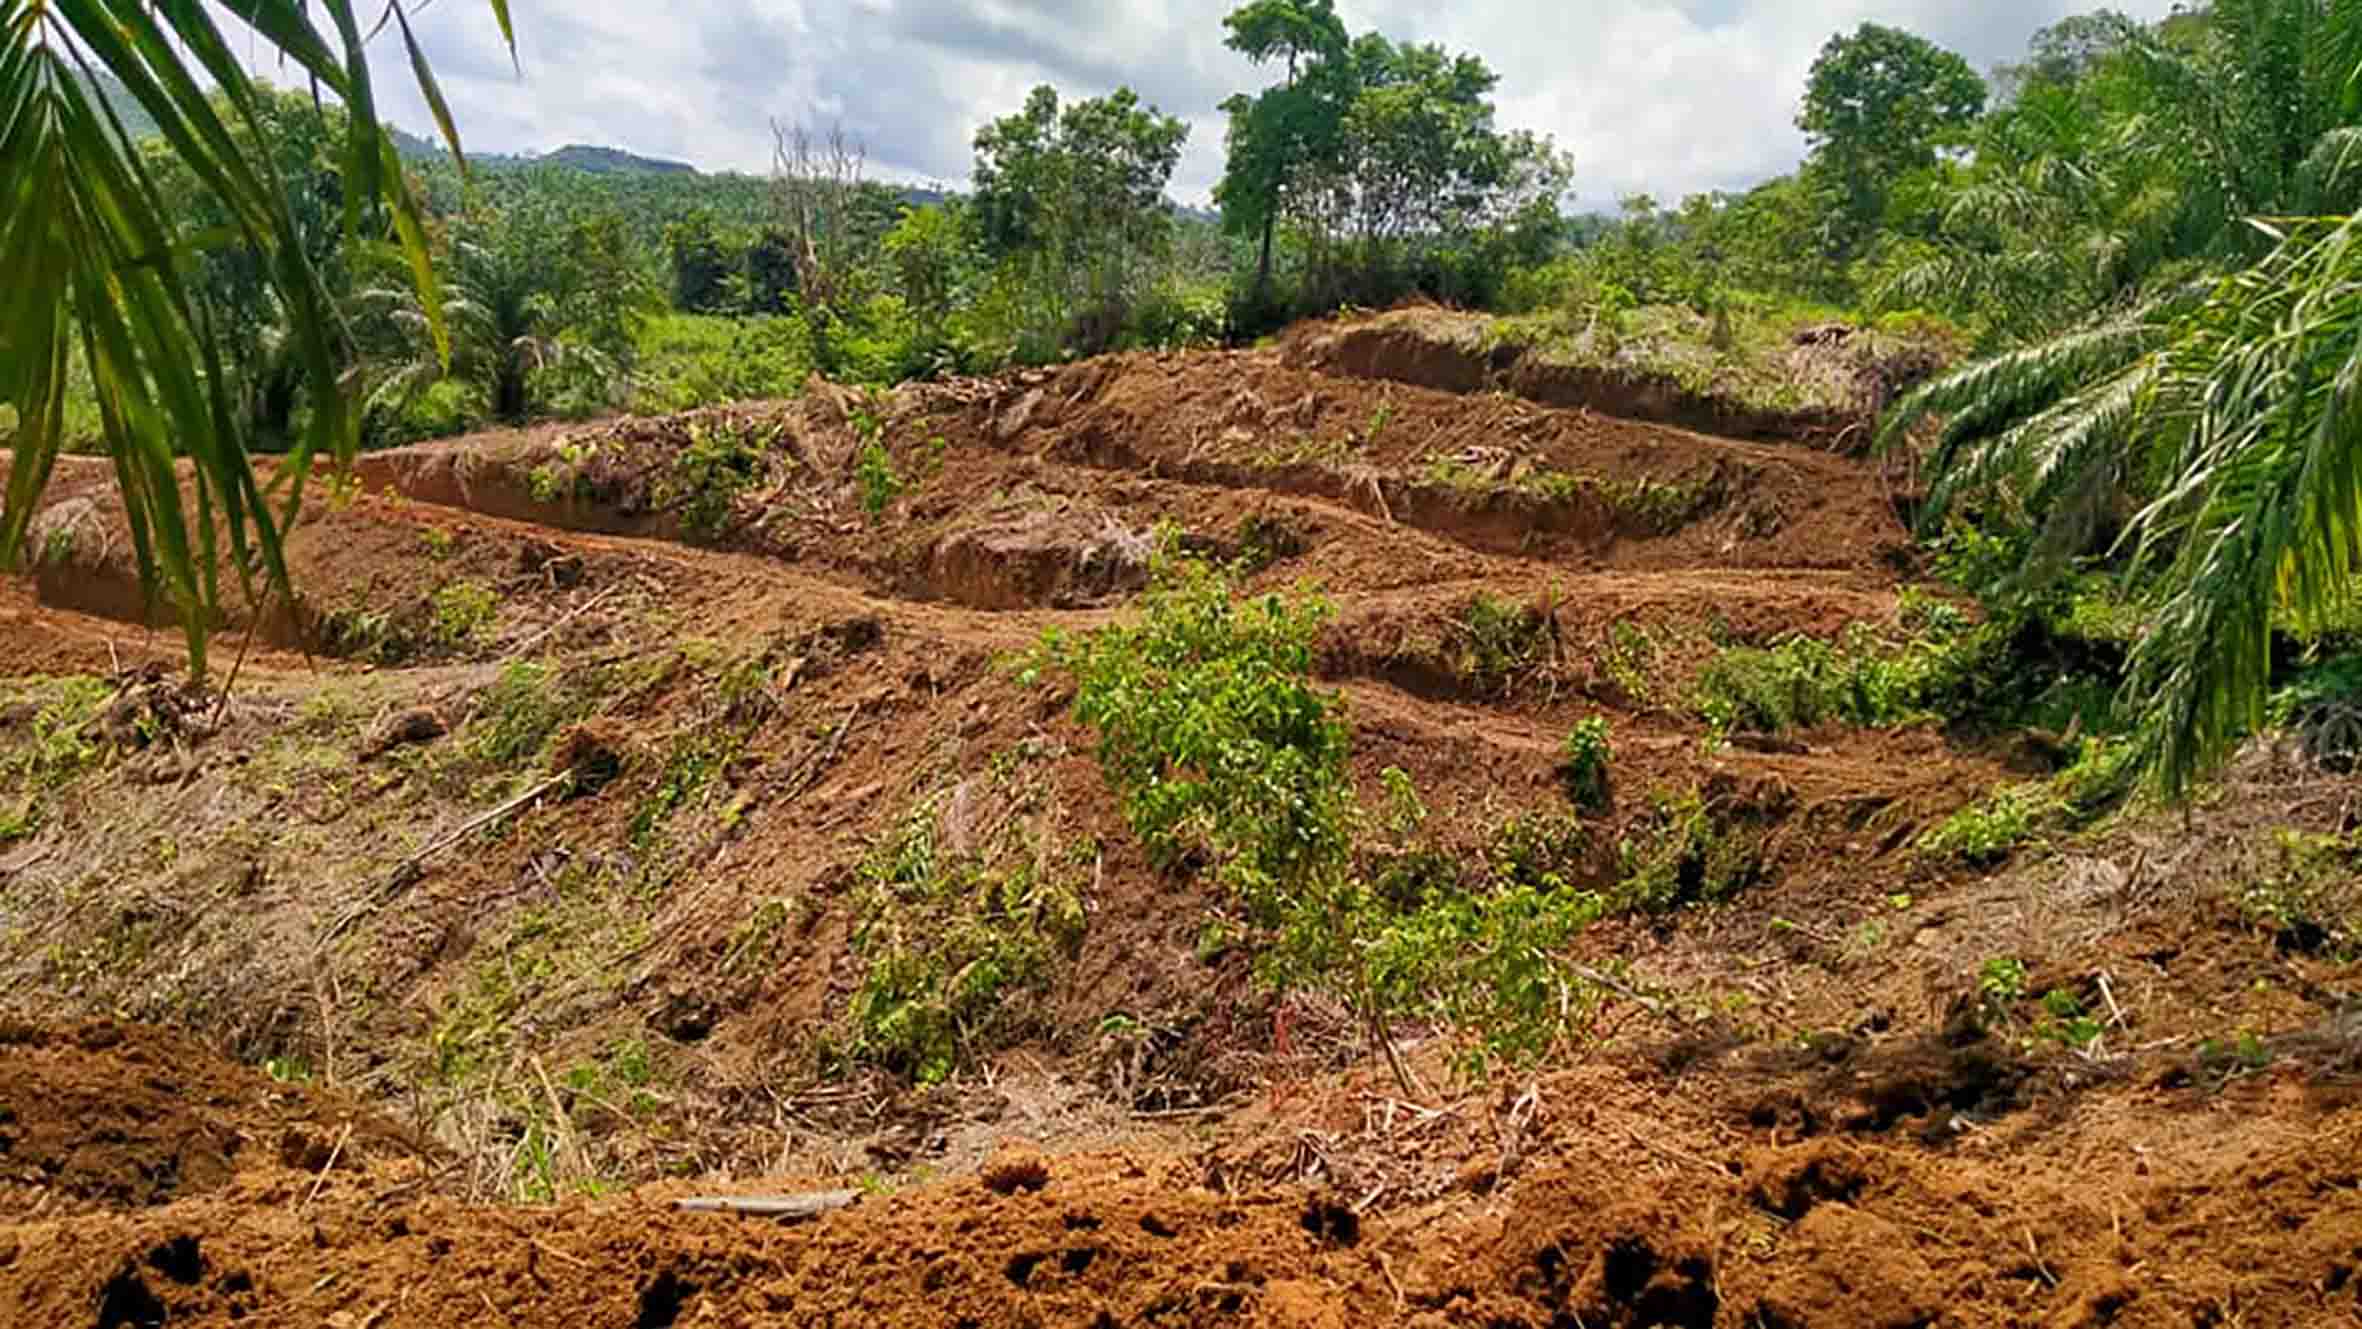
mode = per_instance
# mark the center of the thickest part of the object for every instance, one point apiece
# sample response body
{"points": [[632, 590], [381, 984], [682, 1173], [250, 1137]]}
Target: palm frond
{"points": [[92, 256], [2263, 520], [1980, 401]]}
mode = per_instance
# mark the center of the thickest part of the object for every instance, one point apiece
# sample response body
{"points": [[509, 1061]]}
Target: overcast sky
{"points": [[1668, 96]]}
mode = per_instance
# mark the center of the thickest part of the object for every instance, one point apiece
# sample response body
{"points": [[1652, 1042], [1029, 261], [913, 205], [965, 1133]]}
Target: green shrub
{"points": [[1858, 679], [1985, 832], [1223, 752], [1211, 730], [462, 613], [1487, 963], [1681, 854], [949, 939], [880, 483], [1498, 641], [2310, 893], [721, 462], [1176, 315], [444, 408], [691, 360], [1625, 659], [1583, 763], [2002, 979], [59, 744], [1539, 852], [521, 711]]}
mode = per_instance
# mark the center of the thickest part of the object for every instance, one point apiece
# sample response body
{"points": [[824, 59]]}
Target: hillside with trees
{"points": [[1387, 753]]}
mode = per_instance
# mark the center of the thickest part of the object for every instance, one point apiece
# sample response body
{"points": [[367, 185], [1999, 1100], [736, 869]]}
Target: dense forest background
{"points": [[2001, 207]]}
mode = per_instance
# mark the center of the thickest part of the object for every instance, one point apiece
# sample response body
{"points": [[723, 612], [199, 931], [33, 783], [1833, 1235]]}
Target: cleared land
{"points": [[307, 1035]]}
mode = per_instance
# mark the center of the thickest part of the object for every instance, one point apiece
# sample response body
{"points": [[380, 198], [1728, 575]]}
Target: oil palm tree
{"points": [[2210, 410], [2255, 412], [535, 284], [95, 271]]}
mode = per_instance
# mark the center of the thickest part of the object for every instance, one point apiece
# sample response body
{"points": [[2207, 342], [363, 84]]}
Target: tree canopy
{"points": [[1880, 103]]}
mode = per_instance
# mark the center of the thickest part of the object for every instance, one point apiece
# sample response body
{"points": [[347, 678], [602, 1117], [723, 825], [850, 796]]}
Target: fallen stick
{"points": [[327, 1167], [406, 871], [1648, 1003], [784, 1208], [537, 638], [9, 867]]}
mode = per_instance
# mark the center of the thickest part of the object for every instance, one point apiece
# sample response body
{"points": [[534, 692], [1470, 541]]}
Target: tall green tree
{"points": [[929, 254], [1418, 168], [94, 270], [700, 262], [1277, 137], [1880, 103], [1075, 196], [1380, 158]]}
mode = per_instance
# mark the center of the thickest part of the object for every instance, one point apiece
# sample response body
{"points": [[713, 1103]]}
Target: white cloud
{"points": [[1668, 96]]}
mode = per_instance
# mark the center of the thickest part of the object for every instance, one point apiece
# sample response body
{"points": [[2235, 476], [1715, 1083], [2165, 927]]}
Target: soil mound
{"points": [[1844, 375], [1815, 1078], [114, 1116]]}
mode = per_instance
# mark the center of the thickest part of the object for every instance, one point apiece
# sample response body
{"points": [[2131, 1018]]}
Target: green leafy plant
{"points": [[1626, 658], [951, 938], [1683, 853], [1805, 681], [520, 712], [62, 739], [1223, 753], [2002, 979], [461, 613], [560, 480], [1496, 642], [1985, 832], [2244, 1053], [721, 462], [2307, 893], [1583, 763], [2064, 1021], [874, 473]]}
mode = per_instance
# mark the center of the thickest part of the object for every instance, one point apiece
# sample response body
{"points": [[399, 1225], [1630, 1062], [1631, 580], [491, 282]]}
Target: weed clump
{"points": [[1583, 764], [1985, 832], [461, 613], [722, 461], [1858, 679], [523, 709], [956, 919], [1497, 642], [1227, 759], [2308, 894], [1684, 852], [1988, 831], [58, 740]]}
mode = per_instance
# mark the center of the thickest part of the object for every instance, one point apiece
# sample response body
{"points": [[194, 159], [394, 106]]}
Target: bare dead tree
{"points": [[817, 182]]}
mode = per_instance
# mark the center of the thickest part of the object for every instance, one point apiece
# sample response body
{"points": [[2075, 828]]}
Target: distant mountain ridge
{"points": [[580, 156], [589, 158]]}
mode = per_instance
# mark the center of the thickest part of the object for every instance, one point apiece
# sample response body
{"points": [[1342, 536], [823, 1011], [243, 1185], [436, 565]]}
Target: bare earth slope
{"points": [[332, 1009]]}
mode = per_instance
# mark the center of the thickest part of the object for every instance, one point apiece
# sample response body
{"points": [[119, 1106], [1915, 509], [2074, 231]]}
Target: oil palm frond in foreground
{"points": [[95, 265], [2259, 522], [2232, 413]]}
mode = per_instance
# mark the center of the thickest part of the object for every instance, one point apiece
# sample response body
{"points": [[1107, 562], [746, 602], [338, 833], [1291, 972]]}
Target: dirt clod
{"points": [[1851, 1269], [1016, 1170]]}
